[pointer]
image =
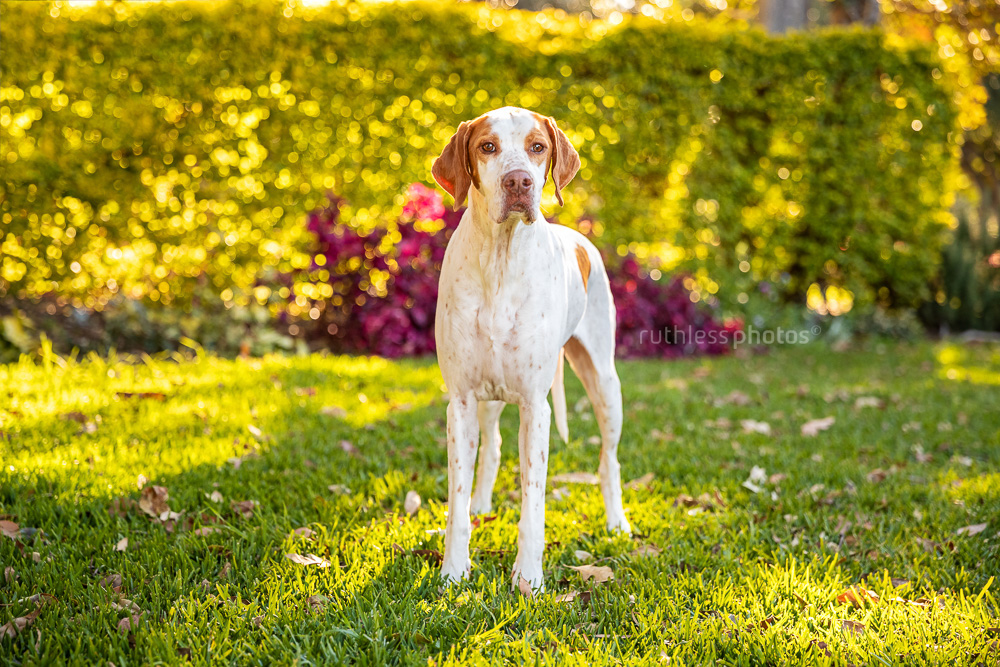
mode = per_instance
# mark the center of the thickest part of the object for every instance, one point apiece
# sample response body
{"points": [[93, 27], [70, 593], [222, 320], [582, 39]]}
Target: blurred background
{"points": [[252, 177]]}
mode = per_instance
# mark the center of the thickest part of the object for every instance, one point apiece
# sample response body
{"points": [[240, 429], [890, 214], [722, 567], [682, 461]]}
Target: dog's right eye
{"points": [[488, 147]]}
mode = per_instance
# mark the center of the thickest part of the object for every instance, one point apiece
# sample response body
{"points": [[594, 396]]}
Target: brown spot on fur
{"points": [[583, 261]]}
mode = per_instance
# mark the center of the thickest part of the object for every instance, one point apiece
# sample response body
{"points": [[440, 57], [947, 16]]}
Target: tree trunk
{"points": [[780, 16]]}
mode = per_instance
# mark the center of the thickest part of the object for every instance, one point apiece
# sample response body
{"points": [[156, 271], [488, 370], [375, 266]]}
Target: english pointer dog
{"points": [[518, 294]]}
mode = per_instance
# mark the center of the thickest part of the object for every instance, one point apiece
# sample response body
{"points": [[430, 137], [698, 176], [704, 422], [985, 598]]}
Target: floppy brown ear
{"points": [[451, 170], [565, 159]]}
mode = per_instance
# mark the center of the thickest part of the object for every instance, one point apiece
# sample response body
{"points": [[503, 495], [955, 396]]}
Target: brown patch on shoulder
{"points": [[583, 261]]}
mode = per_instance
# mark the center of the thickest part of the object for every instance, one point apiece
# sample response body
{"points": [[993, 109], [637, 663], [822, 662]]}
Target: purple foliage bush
{"points": [[395, 317]]}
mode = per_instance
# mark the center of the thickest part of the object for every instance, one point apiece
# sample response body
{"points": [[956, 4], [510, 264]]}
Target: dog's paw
{"points": [[619, 525], [453, 574]]}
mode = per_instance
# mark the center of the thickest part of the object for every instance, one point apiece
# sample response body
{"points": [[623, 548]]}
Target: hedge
{"points": [[151, 149]]}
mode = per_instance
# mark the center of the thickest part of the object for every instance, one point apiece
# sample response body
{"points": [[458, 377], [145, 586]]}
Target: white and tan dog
{"points": [[516, 295]]}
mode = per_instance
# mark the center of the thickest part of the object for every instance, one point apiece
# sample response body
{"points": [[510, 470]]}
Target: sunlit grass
{"points": [[748, 578]]}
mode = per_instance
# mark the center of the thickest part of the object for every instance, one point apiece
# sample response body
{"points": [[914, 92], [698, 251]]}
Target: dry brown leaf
{"points": [[9, 574], [244, 508], [525, 587], [128, 623], [754, 426], [10, 529], [215, 497], [349, 447], [305, 391], [599, 573], [868, 402], [122, 544], [307, 533], [206, 530], [120, 507], [576, 478], [153, 501], [334, 411], [112, 582], [853, 626], [646, 550], [124, 604], [308, 559], [858, 595], [411, 505], [226, 569], [876, 475], [974, 529], [814, 426], [339, 489], [735, 397], [640, 482]]}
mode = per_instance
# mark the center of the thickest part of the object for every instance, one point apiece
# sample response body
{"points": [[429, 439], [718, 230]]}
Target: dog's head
{"points": [[505, 157]]}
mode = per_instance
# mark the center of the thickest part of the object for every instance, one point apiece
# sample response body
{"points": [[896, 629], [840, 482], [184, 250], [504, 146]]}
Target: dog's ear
{"points": [[452, 170], [565, 159]]}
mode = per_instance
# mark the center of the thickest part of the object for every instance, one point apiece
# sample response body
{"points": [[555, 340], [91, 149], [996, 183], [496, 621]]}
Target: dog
{"points": [[517, 296]]}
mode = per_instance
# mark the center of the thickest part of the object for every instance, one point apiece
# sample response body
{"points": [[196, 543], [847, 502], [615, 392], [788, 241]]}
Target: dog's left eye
{"points": [[537, 148]]}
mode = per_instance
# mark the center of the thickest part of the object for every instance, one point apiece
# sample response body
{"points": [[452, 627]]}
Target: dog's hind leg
{"points": [[591, 354], [489, 455]]}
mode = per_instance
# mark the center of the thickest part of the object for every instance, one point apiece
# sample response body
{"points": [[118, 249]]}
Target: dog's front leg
{"points": [[463, 431], [533, 445]]}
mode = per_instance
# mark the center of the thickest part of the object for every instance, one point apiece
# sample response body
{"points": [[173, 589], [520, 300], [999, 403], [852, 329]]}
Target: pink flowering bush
{"points": [[384, 294]]}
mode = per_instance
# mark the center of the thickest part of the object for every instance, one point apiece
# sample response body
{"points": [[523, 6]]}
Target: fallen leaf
{"points": [[124, 604], [154, 395], [735, 397], [120, 507], [853, 626], [525, 587], [128, 623], [411, 505], [599, 573], [857, 596], [317, 602], [9, 574], [334, 411], [153, 501], [207, 530], [122, 544], [235, 461], [814, 426], [36, 557], [308, 559], [10, 529], [349, 447], [244, 508], [339, 489], [568, 596], [876, 475], [974, 529], [226, 569], [215, 497], [868, 402], [583, 556], [305, 391], [754, 426], [821, 645], [431, 555], [77, 417], [576, 478], [640, 482], [307, 533], [112, 582], [255, 432], [646, 550]]}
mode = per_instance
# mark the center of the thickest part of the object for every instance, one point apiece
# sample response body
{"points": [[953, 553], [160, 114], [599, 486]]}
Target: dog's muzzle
{"points": [[517, 187]]}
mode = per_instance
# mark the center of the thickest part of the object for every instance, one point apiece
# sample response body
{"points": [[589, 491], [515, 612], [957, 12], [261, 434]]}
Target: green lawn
{"points": [[746, 574]]}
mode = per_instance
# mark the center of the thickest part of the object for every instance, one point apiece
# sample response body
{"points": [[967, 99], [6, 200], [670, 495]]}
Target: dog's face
{"points": [[505, 157]]}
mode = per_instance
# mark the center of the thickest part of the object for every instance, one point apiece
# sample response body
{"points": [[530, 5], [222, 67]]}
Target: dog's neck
{"points": [[500, 245]]}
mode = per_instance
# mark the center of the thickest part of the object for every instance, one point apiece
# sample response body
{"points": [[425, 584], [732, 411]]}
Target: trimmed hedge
{"points": [[147, 148]]}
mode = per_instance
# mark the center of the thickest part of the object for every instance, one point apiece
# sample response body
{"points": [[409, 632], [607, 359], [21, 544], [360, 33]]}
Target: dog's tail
{"points": [[559, 399]]}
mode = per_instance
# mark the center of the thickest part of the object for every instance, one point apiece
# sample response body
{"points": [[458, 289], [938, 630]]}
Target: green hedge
{"points": [[151, 148]]}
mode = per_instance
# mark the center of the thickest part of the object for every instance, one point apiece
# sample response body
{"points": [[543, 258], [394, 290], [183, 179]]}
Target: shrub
{"points": [[152, 146], [393, 314]]}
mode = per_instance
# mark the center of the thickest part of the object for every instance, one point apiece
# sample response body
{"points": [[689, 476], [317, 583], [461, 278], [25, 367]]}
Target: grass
{"points": [[741, 577]]}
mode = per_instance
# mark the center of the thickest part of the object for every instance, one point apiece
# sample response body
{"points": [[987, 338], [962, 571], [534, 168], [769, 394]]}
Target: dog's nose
{"points": [[517, 182]]}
